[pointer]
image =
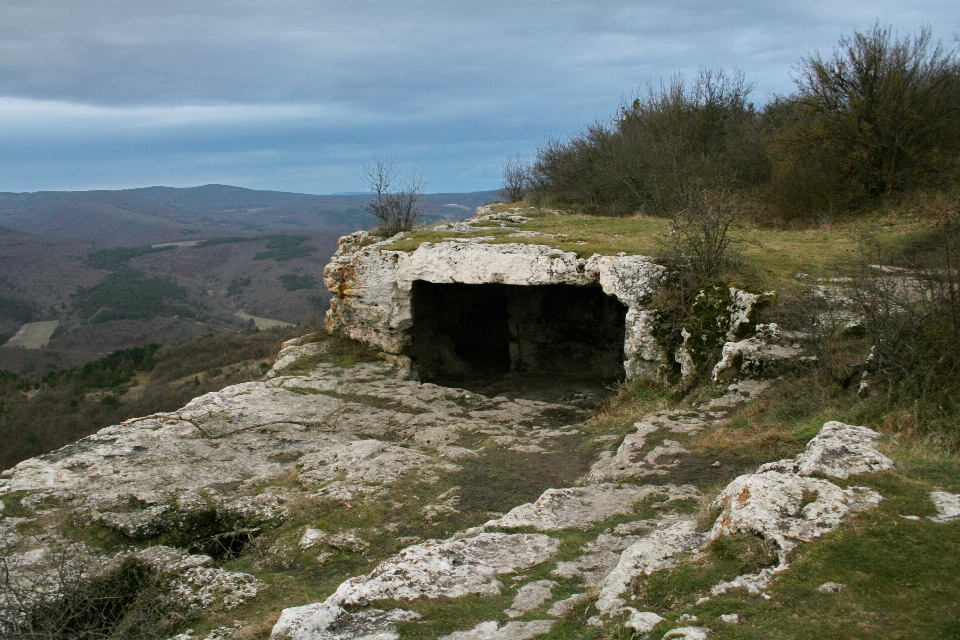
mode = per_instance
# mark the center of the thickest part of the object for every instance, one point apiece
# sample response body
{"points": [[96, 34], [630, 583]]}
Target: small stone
{"points": [[348, 541], [509, 631], [687, 617], [562, 608], [642, 621], [703, 599], [687, 633], [831, 587], [530, 596], [594, 621], [914, 518], [717, 464], [730, 618], [311, 537], [948, 506]]}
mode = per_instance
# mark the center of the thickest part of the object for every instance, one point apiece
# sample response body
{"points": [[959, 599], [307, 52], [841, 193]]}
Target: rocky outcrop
{"points": [[451, 568], [243, 462], [755, 356], [372, 286]]}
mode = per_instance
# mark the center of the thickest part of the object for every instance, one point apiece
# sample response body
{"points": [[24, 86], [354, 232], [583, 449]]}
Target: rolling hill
{"points": [[109, 270]]}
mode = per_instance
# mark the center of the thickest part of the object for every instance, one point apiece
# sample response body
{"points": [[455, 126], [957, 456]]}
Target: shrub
{"points": [[516, 179], [73, 595], [18, 310], [118, 256], [703, 255], [880, 115], [683, 136], [293, 282], [397, 209], [911, 318]]}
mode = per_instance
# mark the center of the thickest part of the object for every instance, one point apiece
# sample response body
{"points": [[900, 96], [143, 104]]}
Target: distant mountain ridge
{"points": [[130, 217]]}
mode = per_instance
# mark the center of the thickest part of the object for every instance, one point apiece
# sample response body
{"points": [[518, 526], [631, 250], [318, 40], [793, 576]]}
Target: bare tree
{"points": [[516, 179], [700, 241], [397, 207]]}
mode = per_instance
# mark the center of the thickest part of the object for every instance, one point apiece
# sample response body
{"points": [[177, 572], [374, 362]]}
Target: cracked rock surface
{"points": [[244, 458]]}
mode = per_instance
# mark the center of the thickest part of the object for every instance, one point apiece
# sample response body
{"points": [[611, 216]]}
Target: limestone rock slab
{"points": [[372, 285], [530, 596], [579, 507], [839, 451], [948, 506], [649, 554], [509, 631]]}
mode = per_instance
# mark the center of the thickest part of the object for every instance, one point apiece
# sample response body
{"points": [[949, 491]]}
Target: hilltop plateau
{"points": [[342, 496], [697, 379]]}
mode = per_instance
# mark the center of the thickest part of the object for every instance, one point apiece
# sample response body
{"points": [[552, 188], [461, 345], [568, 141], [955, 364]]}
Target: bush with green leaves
{"points": [[16, 309], [293, 282]]}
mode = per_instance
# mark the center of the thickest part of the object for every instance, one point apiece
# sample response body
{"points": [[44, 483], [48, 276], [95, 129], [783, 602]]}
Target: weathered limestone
{"points": [[772, 504], [450, 568], [530, 596], [246, 456], [757, 355], [651, 553], [781, 503], [562, 608], [630, 461], [579, 507], [195, 583], [839, 451], [688, 633], [372, 287], [509, 631], [948, 506], [642, 621]]}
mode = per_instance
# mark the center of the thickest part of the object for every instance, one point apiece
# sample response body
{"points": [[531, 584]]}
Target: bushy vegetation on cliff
{"points": [[878, 117]]}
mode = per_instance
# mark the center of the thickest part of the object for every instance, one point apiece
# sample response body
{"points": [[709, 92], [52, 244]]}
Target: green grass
{"points": [[775, 254], [901, 577]]}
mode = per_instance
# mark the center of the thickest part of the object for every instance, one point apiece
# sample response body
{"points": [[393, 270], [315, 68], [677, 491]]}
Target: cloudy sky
{"points": [[296, 95]]}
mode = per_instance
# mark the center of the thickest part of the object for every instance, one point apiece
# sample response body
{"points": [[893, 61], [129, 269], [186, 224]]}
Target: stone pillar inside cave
{"points": [[470, 330]]}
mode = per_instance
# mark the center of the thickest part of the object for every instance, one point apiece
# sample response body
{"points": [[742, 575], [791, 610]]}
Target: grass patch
{"points": [[775, 255], [900, 574], [499, 479], [780, 423], [670, 590]]}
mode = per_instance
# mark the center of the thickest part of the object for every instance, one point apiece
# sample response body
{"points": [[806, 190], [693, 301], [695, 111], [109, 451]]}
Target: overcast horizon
{"points": [[293, 96]]}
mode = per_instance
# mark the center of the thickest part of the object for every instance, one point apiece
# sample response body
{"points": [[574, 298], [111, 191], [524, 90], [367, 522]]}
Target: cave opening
{"points": [[474, 335]]}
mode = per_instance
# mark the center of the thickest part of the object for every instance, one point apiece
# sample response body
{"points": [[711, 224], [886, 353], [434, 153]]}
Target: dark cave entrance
{"points": [[464, 333]]}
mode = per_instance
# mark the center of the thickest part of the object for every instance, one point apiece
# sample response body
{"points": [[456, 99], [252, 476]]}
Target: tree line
{"points": [[878, 116]]}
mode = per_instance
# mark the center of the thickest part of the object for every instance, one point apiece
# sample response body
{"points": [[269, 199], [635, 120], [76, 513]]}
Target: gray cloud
{"points": [[291, 94]]}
